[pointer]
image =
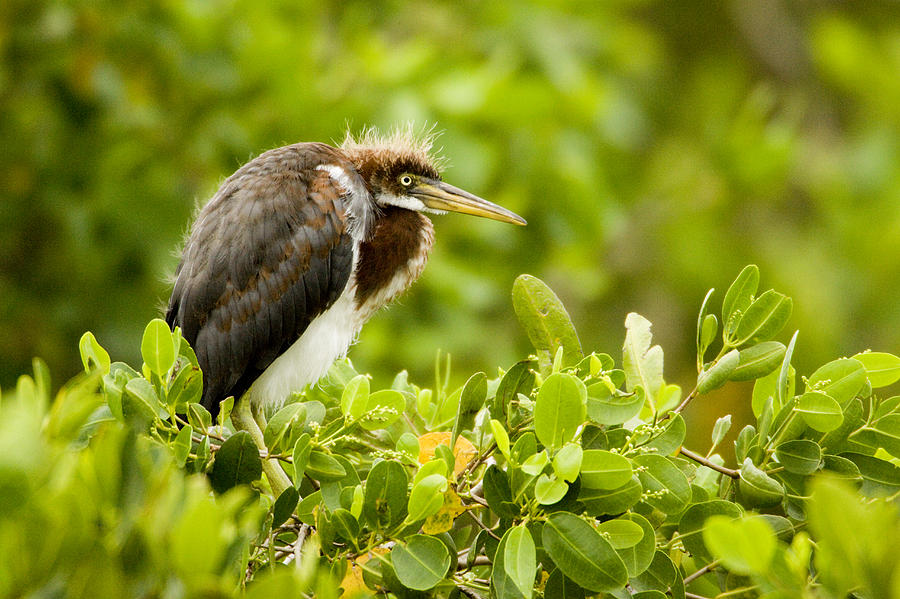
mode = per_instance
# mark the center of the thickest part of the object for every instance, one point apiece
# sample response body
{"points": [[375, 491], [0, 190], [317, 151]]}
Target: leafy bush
{"points": [[567, 475]]}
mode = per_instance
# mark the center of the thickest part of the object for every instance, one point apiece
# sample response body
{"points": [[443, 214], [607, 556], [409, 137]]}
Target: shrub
{"points": [[568, 475]]}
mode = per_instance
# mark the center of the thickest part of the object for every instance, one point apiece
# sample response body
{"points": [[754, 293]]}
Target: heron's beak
{"points": [[438, 195]]}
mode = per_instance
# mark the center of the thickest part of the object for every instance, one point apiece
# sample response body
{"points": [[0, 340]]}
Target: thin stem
{"points": [[776, 440], [482, 525], [243, 420], [704, 570], [709, 464], [684, 403]]}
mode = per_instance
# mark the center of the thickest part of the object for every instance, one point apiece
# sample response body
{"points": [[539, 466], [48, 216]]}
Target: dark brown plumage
{"points": [[297, 249]]}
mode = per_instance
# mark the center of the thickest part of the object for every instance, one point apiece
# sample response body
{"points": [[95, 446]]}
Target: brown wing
{"points": [[266, 255]]}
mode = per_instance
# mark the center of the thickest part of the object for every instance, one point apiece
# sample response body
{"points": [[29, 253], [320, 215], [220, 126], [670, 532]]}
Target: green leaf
{"points": [[157, 347], [855, 540], [642, 363], [638, 557], [355, 397], [187, 387], [545, 320], [181, 447], [382, 409], [739, 297], [891, 405], [549, 489], [199, 417], [886, 432], [838, 467], [519, 559], [561, 587], [278, 434], [703, 329], [621, 533], [800, 456], [429, 468], [690, 527], [582, 553], [385, 494], [408, 445], [600, 502], [765, 317], [708, 331], [720, 429], [300, 457], [819, 411], [518, 379], [661, 576], [746, 440], [470, 402], [719, 373], [559, 409], [284, 506], [669, 487], [93, 356], [840, 379], [758, 360], [671, 438], [757, 488], [606, 406], [601, 469], [497, 492], [324, 467], [882, 369], [567, 461], [345, 524], [237, 463], [420, 563], [427, 497], [140, 404], [880, 478], [745, 546], [501, 437], [784, 388], [536, 463]]}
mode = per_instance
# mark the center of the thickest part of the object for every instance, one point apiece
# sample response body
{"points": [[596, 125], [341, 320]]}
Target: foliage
{"points": [[643, 140], [568, 475]]}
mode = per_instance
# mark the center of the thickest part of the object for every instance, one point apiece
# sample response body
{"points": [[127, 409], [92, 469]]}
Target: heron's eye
{"points": [[406, 180]]}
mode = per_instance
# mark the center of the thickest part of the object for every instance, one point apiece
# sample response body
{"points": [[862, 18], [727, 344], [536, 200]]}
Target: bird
{"points": [[298, 249]]}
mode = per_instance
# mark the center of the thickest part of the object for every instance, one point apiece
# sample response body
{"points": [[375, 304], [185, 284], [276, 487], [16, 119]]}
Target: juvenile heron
{"points": [[297, 249]]}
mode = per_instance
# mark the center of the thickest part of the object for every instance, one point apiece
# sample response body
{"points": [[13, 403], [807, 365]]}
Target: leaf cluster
{"points": [[563, 475]]}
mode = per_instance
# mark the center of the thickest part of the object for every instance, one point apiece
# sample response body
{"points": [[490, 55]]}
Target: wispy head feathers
{"points": [[404, 144]]}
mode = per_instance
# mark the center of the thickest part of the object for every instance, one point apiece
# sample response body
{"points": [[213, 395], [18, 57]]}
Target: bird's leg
{"points": [[243, 420]]}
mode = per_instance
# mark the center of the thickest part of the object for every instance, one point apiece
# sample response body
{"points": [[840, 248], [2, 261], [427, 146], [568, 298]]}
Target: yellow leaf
{"points": [[464, 452], [442, 521], [353, 580]]}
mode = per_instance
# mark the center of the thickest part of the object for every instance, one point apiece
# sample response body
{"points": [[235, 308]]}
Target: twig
{"points": [[704, 570], [686, 401], [709, 464], [482, 525], [480, 560], [688, 595], [298, 545]]}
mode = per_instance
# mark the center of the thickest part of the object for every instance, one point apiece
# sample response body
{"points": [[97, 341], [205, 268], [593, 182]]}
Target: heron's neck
{"points": [[393, 257]]}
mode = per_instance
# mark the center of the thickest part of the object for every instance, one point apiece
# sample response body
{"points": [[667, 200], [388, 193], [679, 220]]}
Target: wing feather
{"points": [[267, 254]]}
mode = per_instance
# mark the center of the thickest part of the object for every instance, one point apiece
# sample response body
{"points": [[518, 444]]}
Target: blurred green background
{"points": [[655, 148]]}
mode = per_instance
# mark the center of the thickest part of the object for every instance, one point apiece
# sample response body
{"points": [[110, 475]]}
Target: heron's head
{"points": [[400, 170]]}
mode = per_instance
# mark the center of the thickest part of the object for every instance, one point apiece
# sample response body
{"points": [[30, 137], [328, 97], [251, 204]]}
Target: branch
{"points": [[243, 420], [702, 460]]}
